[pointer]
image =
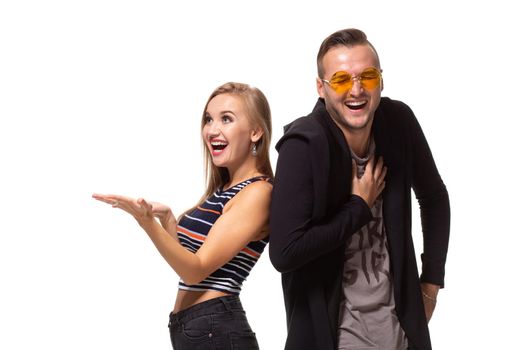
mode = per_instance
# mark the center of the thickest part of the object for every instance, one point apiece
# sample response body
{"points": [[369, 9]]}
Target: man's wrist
{"points": [[430, 291], [426, 296]]}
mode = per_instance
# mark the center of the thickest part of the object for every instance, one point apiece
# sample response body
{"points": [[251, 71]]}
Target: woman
{"points": [[213, 246]]}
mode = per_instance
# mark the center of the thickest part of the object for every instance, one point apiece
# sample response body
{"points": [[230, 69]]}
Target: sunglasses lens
{"points": [[341, 82], [370, 78]]}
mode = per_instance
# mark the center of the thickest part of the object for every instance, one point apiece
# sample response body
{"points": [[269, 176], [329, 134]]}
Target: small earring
{"points": [[254, 149]]}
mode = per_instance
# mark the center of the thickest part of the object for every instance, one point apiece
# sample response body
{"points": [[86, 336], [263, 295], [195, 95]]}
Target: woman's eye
{"points": [[226, 119], [207, 120]]}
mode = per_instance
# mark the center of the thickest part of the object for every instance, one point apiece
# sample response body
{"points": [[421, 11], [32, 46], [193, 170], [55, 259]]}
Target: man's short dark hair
{"points": [[345, 37]]}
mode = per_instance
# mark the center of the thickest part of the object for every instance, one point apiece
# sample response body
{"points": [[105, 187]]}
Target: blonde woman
{"points": [[213, 247]]}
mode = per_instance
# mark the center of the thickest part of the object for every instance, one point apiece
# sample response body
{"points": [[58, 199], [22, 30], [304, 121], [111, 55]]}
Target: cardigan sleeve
{"points": [[433, 199], [295, 239]]}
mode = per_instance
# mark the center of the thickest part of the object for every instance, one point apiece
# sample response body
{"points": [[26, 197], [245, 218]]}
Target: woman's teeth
{"points": [[218, 145]]}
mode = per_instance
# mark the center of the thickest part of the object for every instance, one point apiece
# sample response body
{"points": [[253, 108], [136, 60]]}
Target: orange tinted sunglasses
{"points": [[343, 81]]}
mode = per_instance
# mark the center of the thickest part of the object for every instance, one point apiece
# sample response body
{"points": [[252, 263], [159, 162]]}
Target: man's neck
{"points": [[358, 141]]}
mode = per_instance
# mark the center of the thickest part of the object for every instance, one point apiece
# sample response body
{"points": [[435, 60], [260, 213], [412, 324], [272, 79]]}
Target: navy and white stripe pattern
{"points": [[193, 229]]}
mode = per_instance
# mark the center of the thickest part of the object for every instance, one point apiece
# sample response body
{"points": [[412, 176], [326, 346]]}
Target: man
{"points": [[340, 217]]}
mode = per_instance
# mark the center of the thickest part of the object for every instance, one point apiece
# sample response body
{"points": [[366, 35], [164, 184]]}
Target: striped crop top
{"points": [[193, 229]]}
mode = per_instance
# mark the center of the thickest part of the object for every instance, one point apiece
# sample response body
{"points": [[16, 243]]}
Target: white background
{"points": [[106, 96]]}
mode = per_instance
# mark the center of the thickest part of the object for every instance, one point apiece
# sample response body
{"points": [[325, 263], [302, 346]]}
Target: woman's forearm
{"points": [[185, 263], [169, 223]]}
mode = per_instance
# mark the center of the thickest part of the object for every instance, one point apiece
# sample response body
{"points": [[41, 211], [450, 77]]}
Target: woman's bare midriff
{"points": [[187, 298]]}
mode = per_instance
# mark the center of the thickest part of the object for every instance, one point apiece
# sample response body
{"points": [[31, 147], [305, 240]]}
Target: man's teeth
{"points": [[355, 103]]}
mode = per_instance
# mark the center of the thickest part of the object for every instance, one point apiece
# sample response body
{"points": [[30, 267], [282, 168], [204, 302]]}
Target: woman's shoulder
{"points": [[254, 196], [254, 193], [260, 187]]}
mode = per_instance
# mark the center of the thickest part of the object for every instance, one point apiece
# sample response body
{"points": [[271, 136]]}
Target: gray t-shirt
{"points": [[367, 318]]}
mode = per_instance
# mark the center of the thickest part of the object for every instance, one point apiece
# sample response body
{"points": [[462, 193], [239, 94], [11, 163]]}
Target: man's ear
{"points": [[320, 89]]}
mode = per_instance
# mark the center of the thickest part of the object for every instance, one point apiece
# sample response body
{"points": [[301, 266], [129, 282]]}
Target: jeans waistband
{"points": [[215, 305]]}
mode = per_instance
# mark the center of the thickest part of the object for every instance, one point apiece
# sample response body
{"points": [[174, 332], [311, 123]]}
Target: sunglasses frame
{"points": [[341, 88]]}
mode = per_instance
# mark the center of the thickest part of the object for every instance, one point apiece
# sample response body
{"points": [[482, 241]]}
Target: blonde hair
{"points": [[259, 115]]}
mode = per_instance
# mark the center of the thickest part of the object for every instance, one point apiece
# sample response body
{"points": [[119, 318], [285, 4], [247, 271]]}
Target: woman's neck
{"points": [[247, 171]]}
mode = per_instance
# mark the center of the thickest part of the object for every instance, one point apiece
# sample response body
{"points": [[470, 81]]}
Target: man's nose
{"points": [[357, 88]]}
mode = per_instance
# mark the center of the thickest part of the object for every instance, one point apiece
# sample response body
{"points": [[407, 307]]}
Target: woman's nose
{"points": [[213, 129]]}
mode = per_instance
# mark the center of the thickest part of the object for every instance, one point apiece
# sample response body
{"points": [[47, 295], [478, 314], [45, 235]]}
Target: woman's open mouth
{"points": [[218, 146]]}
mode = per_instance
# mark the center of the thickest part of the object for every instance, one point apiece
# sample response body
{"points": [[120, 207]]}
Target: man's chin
{"points": [[356, 122]]}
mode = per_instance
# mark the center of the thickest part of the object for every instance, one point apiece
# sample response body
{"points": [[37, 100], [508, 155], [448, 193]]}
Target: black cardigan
{"points": [[313, 213]]}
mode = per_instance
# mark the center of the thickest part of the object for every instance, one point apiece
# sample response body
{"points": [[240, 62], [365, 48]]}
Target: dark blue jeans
{"points": [[218, 324]]}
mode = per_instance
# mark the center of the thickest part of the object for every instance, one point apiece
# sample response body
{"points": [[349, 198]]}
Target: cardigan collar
{"points": [[326, 120]]}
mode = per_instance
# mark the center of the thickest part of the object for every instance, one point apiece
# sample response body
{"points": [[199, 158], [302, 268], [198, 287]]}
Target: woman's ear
{"points": [[256, 134]]}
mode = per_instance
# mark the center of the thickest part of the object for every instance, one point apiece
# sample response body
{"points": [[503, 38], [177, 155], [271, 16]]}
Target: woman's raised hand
{"points": [[140, 209]]}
